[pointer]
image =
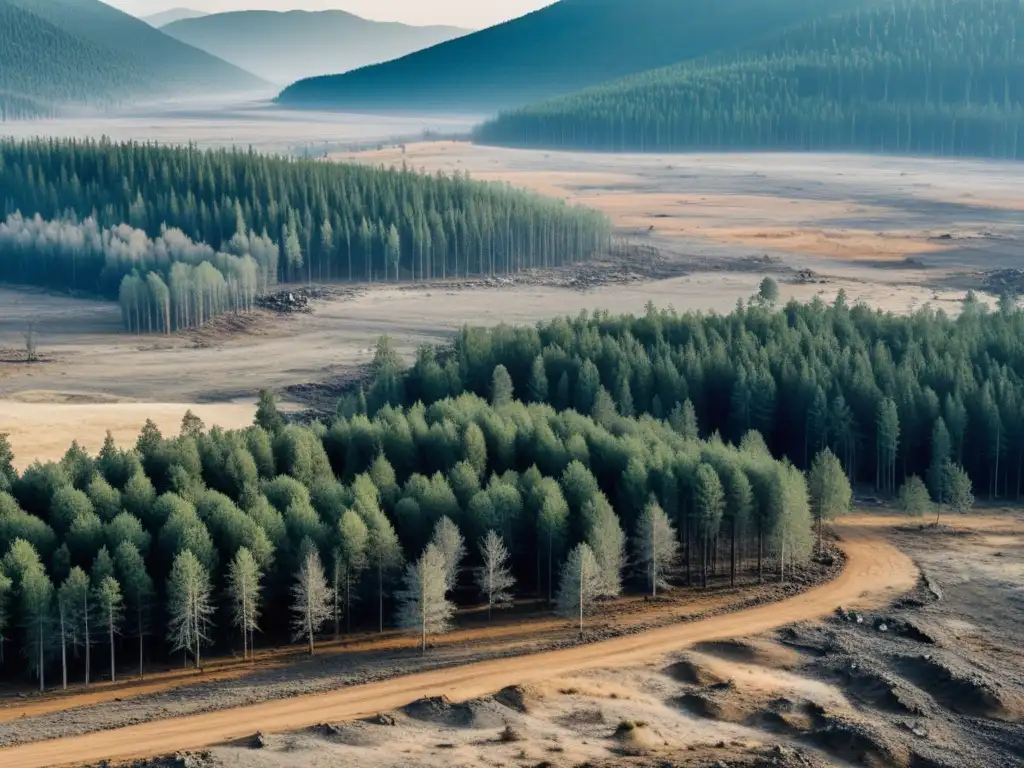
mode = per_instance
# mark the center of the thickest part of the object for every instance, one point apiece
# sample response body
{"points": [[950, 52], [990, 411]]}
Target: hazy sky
{"points": [[463, 13]]}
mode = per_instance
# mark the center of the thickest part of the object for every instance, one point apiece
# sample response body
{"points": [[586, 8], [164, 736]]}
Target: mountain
{"points": [[171, 15], [561, 48], [919, 76], [63, 52], [44, 66], [284, 47]]}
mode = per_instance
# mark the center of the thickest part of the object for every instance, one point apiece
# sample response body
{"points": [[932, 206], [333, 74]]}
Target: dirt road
{"points": [[875, 572]]}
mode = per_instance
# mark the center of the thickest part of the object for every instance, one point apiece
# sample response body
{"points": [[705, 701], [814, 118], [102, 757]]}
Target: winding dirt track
{"points": [[875, 573]]}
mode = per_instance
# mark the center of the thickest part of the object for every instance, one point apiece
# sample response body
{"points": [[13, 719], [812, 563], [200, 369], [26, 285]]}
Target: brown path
{"points": [[875, 573]]}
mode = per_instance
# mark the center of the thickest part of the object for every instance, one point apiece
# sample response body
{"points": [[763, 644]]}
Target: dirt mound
{"points": [[354, 734], [521, 698], [878, 688], [636, 738], [481, 713], [855, 743], [723, 705], [961, 688], [752, 651], [691, 672]]}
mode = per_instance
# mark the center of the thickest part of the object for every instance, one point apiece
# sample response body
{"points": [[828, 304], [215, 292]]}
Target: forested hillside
{"points": [[44, 66], [190, 543], [330, 221], [285, 47], [568, 45], [929, 76], [83, 52]]}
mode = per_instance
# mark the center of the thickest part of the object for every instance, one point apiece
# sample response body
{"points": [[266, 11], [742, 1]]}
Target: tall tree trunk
{"points": [[113, 668], [88, 642], [63, 651], [139, 615]]}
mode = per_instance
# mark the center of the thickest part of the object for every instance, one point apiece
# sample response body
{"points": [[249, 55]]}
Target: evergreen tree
{"points": [[656, 547], [244, 591], [830, 491], [452, 546], [110, 605], [189, 608]]}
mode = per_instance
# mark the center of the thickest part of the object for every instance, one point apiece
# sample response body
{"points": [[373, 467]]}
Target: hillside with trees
{"points": [[569, 45], [208, 540], [61, 53], [282, 47], [109, 209], [918, 76]]}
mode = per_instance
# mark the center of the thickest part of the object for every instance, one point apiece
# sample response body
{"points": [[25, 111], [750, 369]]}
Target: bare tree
{"points": [[188, 605], [31, 342], [452, 547], [656, 546], [494, 578], [244, 592], [311, 597], [422, 605], [581, 584]]}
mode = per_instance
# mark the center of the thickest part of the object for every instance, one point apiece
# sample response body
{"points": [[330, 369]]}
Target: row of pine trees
{"points": [[329, 221], [212, 540], [920, 76]]}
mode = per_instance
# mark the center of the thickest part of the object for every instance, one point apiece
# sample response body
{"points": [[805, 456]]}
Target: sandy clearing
{"points": [[41, 427], [876, 572]]}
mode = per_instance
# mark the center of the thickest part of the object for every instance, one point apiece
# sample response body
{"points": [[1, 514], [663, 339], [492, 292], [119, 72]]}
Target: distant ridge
{"points": [[171, 15], [286, 46], [561, 48], [57, 53]]}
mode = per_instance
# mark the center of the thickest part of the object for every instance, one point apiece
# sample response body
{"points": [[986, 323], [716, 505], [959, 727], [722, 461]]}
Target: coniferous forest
{"points": [[330, 221], [191, 542], [922, 76]]}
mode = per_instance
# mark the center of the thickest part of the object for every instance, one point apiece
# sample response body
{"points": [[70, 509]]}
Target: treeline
{"points": [[892, 396], [163, 284], [195, 541], [330, 221], [920, 76]]}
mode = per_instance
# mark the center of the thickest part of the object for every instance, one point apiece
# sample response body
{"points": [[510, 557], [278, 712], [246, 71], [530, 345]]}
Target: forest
{"points": [[191, 543], [330, 221], [919, 76], [893, 397], [163, 284]]}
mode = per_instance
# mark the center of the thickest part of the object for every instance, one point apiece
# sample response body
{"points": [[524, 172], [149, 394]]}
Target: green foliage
{"points": [[927, 76], [195, 261], [768, 291], [829, 489], [913, 497]]}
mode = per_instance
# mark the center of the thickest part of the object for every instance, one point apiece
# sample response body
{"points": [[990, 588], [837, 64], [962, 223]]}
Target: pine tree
{"points": [[244, 591], [607, 543], [189, 607], [452, 546], [580, 585], [958, 495], [913, 498], [422, 605], [830, 491], [138, 592], [656, 546], [351, 558], [494, 577], [537, 387], [501, 387], [709, 501], [77, 613], [110, 608], [311, 599]]}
